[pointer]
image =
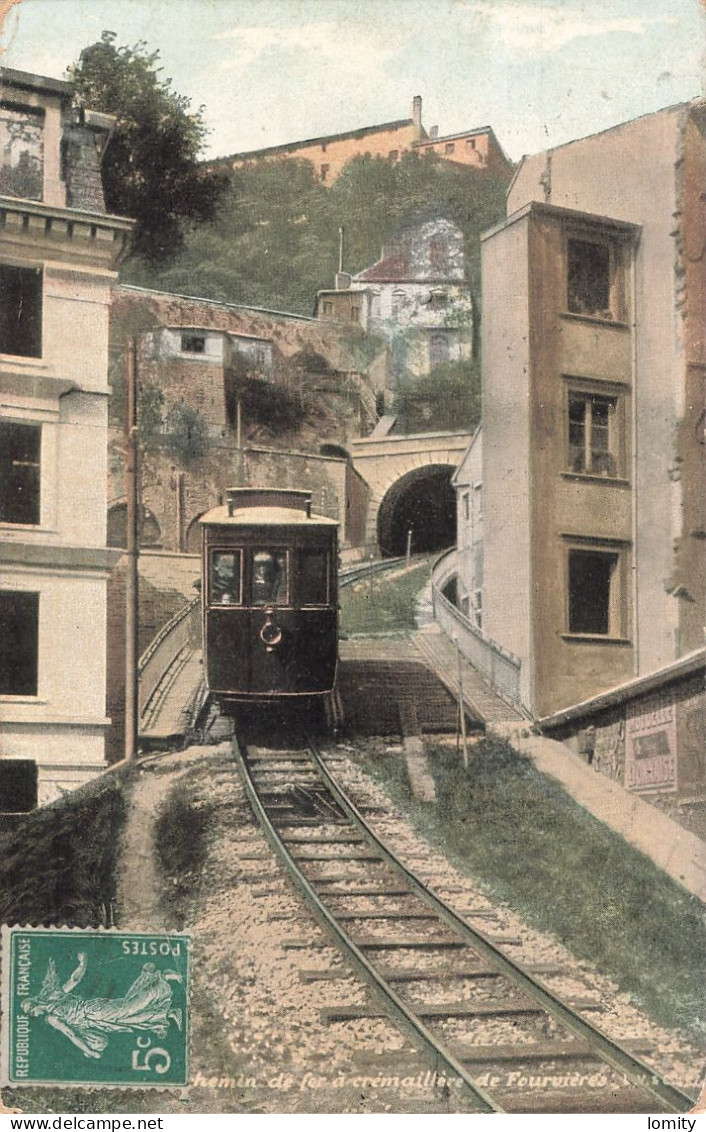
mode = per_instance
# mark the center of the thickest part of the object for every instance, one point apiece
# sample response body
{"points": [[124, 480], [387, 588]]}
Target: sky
{"points": [[540, 72]]}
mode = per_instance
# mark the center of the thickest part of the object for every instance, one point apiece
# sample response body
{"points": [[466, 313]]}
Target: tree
{"points": [[150, 171], [447, 398], [274, 240]]}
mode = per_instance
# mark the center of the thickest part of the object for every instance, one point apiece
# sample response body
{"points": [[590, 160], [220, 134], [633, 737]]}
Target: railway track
{"points": [[403, 941], [361, 571]]}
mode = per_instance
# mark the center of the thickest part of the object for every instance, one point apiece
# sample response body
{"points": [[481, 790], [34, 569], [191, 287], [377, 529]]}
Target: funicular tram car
{"points": [[269, 597]]}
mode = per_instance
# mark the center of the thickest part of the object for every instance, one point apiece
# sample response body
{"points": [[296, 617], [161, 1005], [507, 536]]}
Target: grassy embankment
{"points": [[385, 607], [566, 873], [57, 864]]}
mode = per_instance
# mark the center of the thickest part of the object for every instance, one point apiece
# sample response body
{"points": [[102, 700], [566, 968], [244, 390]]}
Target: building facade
{"points": [[468, 484], [415, 298], [58, 256], [594, 363], [477, 148], [232, 395]]}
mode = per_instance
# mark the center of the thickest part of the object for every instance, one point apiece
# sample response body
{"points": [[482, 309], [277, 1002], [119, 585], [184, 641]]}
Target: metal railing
{"points": [[500, 668], [182, 631]]}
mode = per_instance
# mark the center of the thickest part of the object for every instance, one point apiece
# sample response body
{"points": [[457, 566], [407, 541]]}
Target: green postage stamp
{"points": [[91, 1007]]}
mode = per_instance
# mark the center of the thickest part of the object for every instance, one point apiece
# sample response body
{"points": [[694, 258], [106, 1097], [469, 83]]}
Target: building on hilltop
{"points": [[477, 148], [594, 362], [58, 255], [416, 298]]}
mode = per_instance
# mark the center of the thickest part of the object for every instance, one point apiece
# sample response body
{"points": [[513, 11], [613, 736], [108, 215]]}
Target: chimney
{"points": [[417, 113], [433, 131]]}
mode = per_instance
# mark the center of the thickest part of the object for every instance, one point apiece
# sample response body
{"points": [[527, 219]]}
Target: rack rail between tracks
{"points": [[403, 1014]]}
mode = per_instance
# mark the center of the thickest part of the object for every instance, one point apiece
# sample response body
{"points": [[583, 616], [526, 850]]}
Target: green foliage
{"points": [[388, 607], [448, 398], [150, 415], [58, 865], [274, 240], [150, 171], [186, 434], [181, 839], [521, 834]]}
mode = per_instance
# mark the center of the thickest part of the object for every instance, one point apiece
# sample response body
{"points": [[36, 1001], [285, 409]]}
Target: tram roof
{"points": [[264, 517]]}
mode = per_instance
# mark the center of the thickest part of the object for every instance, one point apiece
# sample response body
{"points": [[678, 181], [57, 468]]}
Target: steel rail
{"points": [[360, 571], [610, 1051], [398, 1010]]}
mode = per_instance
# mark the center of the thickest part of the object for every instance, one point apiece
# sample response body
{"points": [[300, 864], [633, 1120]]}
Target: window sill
{"points": [[25, 528], [8, 698], [590, 477], [36, 361], [595, 639], [594, 320]]}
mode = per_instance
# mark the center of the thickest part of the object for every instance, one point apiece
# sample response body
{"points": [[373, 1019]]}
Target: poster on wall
{"points": [[651, 745]]}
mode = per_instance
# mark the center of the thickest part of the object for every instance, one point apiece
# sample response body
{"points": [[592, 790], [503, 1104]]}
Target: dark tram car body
{"points": [[269, 597]]}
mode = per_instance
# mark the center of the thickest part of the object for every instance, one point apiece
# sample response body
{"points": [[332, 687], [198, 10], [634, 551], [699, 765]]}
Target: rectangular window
{"points": [[438, 300], [589, 279], [466, 505], [225, 583], [21, 311], [328, 307], [393, 155], [313, 577], [193, 343], [269, 584], [593, 578], [355, 314], [20, 455], [324, 172], [478, 608], [438, 350], [593, 434], [18, 785], [477, 502], [449, 147], [21, 151], [471, 142], [19, 643]]}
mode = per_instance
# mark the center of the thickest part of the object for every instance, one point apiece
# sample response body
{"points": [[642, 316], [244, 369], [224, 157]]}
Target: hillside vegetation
{"points": [[274, 241], [57, 864]]}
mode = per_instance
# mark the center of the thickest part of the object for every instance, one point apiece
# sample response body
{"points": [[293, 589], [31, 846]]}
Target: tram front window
{"points": [[269, 577], [313, 577], [225, 578]]}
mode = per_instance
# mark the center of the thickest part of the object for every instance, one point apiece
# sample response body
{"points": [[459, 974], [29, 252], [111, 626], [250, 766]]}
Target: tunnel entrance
{"points": [[425, 501]]}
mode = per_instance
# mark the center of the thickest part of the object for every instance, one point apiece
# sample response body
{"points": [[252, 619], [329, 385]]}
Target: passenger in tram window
{"points": [[269, 581], [225, 580]]}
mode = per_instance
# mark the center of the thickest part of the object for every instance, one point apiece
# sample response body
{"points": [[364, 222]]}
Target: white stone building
{"points": [[58, 255], [416, 297]]}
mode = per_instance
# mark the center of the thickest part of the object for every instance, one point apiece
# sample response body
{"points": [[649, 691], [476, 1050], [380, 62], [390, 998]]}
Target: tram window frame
{"points": [[237, 554], [286, 600], [322, 552]]}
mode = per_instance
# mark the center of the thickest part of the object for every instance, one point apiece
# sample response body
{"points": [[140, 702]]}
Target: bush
{"points": [[449, 398], [186, 434]]}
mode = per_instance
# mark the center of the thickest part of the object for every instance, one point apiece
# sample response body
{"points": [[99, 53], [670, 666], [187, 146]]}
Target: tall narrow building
{"points": [[594, 357], [58, 261]]}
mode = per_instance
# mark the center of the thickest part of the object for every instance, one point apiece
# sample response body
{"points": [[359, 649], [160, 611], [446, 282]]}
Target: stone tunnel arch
{"points": [[150, 531], [423, 499]]}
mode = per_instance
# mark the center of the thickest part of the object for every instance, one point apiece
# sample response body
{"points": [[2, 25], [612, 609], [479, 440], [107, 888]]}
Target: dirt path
{"points": [[139, 884]]}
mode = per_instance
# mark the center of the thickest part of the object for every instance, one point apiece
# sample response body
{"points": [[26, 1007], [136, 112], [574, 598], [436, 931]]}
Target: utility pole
{"points": [[461, 710], [132, 477]]}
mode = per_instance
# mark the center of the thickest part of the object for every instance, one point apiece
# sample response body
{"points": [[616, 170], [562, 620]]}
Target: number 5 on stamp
{"points": [[82, 1007]]}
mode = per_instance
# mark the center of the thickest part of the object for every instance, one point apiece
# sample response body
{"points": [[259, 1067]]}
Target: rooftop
{"points": [[287, 146], [25, 80]]}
